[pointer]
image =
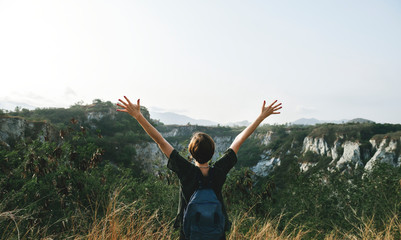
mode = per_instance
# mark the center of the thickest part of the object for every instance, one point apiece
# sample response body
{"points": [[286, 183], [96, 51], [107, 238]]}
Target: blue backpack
{"points": [[203, 216]]}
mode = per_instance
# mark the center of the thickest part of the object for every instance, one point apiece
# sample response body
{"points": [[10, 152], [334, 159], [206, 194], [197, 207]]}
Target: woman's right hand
{"points": [[132, 109], [271, 109]]}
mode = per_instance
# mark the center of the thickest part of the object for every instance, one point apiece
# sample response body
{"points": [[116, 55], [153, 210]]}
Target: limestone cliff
{"points": [[344, 153], [149, 156], [13, 129], [316, 145], [152, 158], [351, 156], [340, 147], [347, 153], [385, 152]]}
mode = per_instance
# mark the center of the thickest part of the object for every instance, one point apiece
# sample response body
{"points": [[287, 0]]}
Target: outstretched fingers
{"points": [[127, 106], [271, 105], [271, 108], [124, 103], [129, 102], [275, 111], [276, 108], [124, 108]]}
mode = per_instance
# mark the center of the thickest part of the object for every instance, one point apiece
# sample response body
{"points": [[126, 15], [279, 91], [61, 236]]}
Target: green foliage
{"points": [[287, 138], [250, 153], [323, 201], [361, 132], [238, 191], [50, 182], [45, 185], [112, 131]]}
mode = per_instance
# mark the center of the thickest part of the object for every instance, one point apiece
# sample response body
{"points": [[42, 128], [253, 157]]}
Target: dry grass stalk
{"points": [[123, 221], [128, 222], [263, 229]]}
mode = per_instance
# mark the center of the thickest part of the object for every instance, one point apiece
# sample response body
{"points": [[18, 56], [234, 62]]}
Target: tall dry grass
{"points": [[130, 221], [367, 230], [123, 221], [246, 227]]}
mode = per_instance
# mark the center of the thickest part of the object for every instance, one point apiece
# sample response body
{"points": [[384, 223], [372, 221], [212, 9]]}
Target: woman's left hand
{"points": [[130, 108]]}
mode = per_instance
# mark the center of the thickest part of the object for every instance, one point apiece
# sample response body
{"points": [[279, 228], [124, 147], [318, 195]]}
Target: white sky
{"points": [[215, 60]]}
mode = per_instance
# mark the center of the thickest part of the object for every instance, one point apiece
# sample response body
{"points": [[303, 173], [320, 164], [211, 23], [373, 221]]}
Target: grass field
{"points": [[132, 222]]}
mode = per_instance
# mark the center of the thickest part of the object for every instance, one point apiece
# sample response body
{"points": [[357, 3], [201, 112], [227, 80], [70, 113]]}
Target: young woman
{"points": [[201, 148]]}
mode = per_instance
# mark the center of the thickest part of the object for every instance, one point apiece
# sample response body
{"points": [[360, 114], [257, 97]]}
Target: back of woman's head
{"points": [[201, 147]]}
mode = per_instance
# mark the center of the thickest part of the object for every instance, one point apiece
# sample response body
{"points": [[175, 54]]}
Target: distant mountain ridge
{"points": [[170, 118], [314, 121]]}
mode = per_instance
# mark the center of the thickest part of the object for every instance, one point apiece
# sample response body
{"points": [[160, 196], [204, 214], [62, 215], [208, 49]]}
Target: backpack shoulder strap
{"points": [[198, 179], [203, 182]]}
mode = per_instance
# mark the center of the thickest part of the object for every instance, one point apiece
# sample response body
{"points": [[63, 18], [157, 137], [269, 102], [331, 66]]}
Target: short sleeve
{"points": [[227, 161], [178, 164]]}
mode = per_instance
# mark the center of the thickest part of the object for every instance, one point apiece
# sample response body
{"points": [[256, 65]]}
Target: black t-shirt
{"points": [[188, 175]]}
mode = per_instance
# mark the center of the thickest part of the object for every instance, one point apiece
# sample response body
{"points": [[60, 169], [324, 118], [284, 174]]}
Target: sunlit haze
{"points": [[215, 60]]}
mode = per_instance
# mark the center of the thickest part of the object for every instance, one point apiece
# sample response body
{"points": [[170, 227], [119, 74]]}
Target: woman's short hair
{"points": [[201, 147]]}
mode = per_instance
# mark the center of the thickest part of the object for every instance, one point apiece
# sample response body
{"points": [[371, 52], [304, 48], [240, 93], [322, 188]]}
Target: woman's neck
{"points": [[204, 167]]}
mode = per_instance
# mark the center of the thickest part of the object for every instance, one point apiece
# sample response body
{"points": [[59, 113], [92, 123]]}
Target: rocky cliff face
{"points": [[385, 152], [316, 145], [351, 156], [344, 153], [179, 131], [264, 167], [347, 154], [185, 132], [13, 129], [265, 138], [150, 157], [155, 159]]}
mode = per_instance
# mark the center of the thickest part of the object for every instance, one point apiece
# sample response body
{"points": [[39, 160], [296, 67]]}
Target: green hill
{"points": [[60, 168]]}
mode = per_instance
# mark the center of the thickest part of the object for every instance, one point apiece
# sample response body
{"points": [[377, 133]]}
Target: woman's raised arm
{"points": [[135, 111], [266, 111]]}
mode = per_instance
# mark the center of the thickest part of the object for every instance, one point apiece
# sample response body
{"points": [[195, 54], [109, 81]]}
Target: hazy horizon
{"points": [[214, 60], [182, 119]]}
